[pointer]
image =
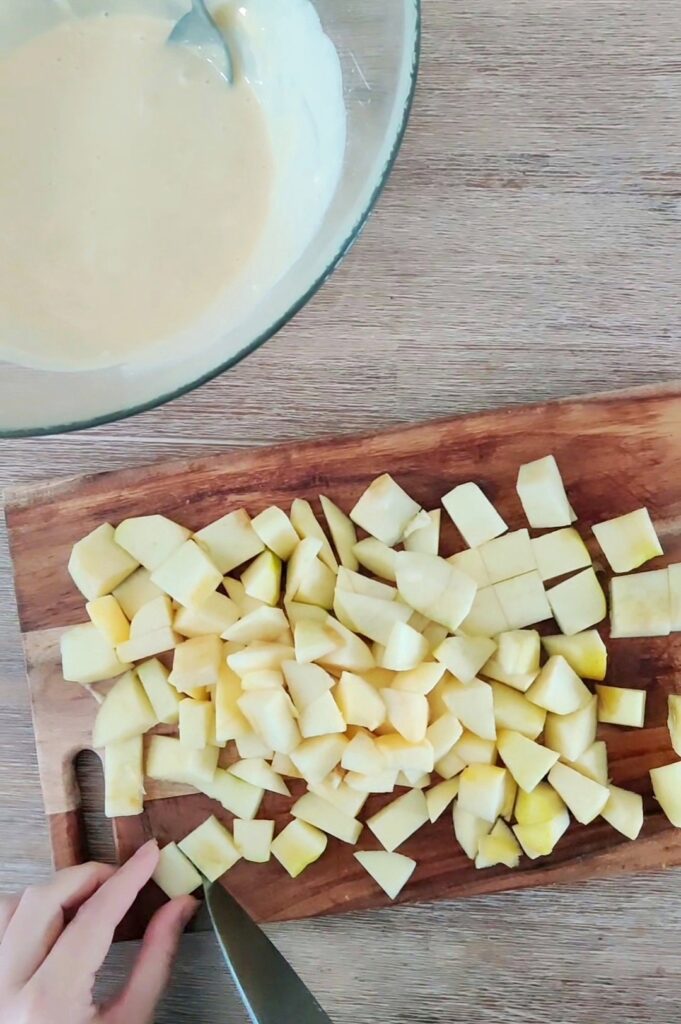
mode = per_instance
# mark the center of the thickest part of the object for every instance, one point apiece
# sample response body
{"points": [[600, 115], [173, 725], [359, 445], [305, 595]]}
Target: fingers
{"points": [[38, 919], [86, 940], [150, 974], [8, 904]]}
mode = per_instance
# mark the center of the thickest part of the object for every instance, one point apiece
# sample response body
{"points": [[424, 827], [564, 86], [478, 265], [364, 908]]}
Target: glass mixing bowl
{"points": [[378, 44]]}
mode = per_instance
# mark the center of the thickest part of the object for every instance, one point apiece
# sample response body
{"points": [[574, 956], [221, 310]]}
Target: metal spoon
{"points": [[198, 31]]}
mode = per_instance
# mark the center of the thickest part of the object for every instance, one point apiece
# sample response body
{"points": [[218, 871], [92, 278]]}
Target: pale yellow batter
{"points": [[134, 187]]}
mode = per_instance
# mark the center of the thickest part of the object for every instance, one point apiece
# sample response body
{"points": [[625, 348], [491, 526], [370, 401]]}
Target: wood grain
{"points": [[616, 452], [527, 247]]}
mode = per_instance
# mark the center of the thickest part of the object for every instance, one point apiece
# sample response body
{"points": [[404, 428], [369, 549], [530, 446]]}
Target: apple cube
{"points": [[270, 715], [250, 744], [175, 874], [237, 796], [464, 656], [87, 656], [473, 704], [558, 688], [674, 721], [197, 723], [197, 662], [667, 789], [377, 557], [230, 722], [316, 757], [107, 615], [318, 812], [135, 591], [151, 617], [237, 593], [264, 624], [560, 552], [540, 839], [230, 541], [628, 541], [510, 794], [407, 713], [396, 822], [518, 651], [253, 839], [674, 573], [380, 782], [570, 735], [188, 575], [514, 711], [405, 649], [275, 530], [620, 706], [298, 846], [440, 797], [306, 683], [405, 756], [362, 755], [542, 494], [527, 761], [391, 871], [584, 652], [124, 712], [260, 774], [358, 584], [624, 811], [518, 681], [469, 829], [321, 717], [443, 733], [341, 796], [640, 604], [343, 533], [422, 533], [312, 640], [150, 540], [542, 804], [474, 516], [584, 797], [432, 586], [359, 702], [123, 778], [147, 645], [434, 633], [523, 600], [421, 679], [482, 790], [508, 556], [486, 616], [163, 697], [470, 562], [211, 849], [215, 615], [259, 656], [451, 764], [499, 847], [384, 510], [371, 616], [472, 749], [306, 525], [98, 565], [169, 761], [578, 603], [262, 579], [351, 652], [593, 762]]}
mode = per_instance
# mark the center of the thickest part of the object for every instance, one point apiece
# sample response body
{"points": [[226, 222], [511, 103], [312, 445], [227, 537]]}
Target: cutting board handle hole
{"points": [[98, 840]]}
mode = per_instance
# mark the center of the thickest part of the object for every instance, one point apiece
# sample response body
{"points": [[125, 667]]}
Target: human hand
{"points": [[54, 938]]}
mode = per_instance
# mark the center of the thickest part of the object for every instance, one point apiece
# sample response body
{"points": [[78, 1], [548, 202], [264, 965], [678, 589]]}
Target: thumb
{"points": [[137, 1002]]}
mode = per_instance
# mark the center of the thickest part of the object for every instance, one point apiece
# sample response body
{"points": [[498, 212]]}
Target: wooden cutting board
{"points": [[616, 452]]}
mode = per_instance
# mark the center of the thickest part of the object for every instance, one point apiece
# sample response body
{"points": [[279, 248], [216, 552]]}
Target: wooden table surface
{"points": [[527, 247]]}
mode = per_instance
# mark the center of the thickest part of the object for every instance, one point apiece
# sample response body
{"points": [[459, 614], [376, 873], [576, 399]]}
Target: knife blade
{"points": [[270, 989]]}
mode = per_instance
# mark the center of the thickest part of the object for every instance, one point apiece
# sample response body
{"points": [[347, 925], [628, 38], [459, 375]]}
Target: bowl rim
{"points": [[342, 251]]}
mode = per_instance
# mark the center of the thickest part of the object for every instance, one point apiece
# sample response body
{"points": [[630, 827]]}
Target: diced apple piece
{"points": [[306, 683], [123, 778], [558, 688], [175, 874], [230, 541], [188, 576], [666, 782], [640, 604], [210, 847], [98, 565], [150, 618], [432, 586], [169, 761], [440, 797], [312, 640], [470, 562], [593, 762], [342, 796], [299, 564], [358, 584], [464, 656], [318, 812], [499, 847], [674, 573], [473, 705], [259, 773], [135, 591], [584, 797], [362, 755], [380, 782], [624, 811], [163, 697], [88, 657], [421, 679], [620, 706], [434, 633], [253, 839], [403, 755], [317, 585], [264, 624], [237, 796], [384, 510], [443, 733], [584, 652], [508, 556], [262, 579], [628, 541], [469, 830], [391, 871], [359, 702], [321, 717], [472, 749], [523, 600], [407, 713], [413, 780], [542, 494], [423, 536], [298, 846], [269, 712], [237, 593], [125, 712], [275, 530], [230, 722], [351, 653], [510, 794], [512, 710], [250, 744], [396, 822], [343, 533], [377, 557], [197, 662], [578, 602], [405, 649], [527, 761], [674, 721], [306, 525], [560, 552], [150, 540], [482, 790], [474, 516], [283, 765], [370, 616], [107, 615], [147, 645], [572, 734], [542, 804], [521, 682], [518, 651], [540, 839], [486, 617], [215, 615], [265, 679], [316, 757], [197, 723]]}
